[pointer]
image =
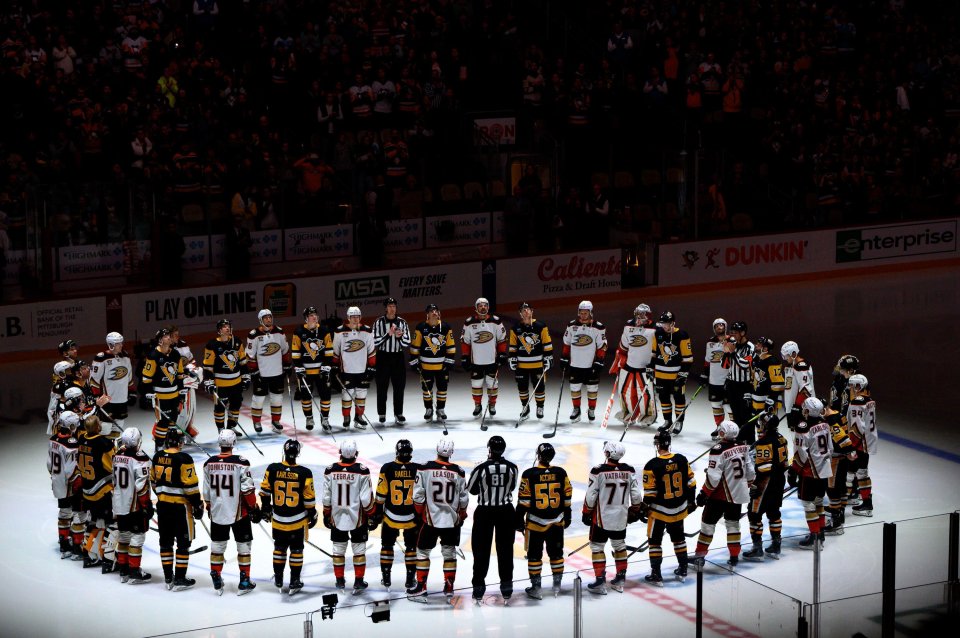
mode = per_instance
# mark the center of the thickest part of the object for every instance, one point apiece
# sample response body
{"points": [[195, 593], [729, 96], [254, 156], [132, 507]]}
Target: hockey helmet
{"points": [[160, 334], [738, 326], [812, 406], [431, 307], [389, 301], [78, 365], [404, 450], [789, 349], [545, 453], [69, 420], [67, 345], [227, 438], [291, 449], [728, 430], [585, 305], [849, 363], [765, 342], [481, 301], [348, 449], [524, 306], [858, 382], [720, 321], [73, 398], [266, 312], [662, 440], [310, 310], [113, 338], [497, 445], [174, 437], [767, 422], [353, 311], [614, 450], [223, 322], [668, 317], [131, 438], [62, 368], [445, 448]]}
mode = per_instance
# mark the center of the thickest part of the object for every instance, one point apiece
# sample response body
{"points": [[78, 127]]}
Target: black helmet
{"points": [[849, 362], [66, 345], [545, 453], [388, 301], [160, 334], [497, 445], [668, 317], [310, 310], [766, 342], [223, 322], [738, 326], [404, 450], [662, 440], [524, 306], [767, 422], [431, 307], [174, 437], [291, 449]]}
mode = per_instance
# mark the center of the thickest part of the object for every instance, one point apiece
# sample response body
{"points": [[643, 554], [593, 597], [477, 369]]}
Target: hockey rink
{"points": [[902, 325]]}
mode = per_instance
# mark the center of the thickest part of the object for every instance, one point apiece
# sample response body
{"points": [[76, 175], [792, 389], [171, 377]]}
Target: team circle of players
{"points": [[105, 483]]}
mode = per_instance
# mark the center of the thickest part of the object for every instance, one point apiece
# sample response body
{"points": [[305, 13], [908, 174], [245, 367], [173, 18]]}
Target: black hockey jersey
{"points": [[289, 488], [669, 486], [545, 496], [312, 348], [163, 373], [433, 346], [95, 460], [175, 478], [395, 493], [224, 361], [530, 344]]}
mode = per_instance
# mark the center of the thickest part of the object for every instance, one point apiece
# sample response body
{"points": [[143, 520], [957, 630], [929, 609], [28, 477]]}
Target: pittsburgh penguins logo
{"points": [[269, 348], [313, 348], [118, 373], [529, 342], [229, 359], [169, 372], [354, 345], [582, 340], [759, 377], [638, 341], [667, 351], [434, 343], [483, 336]]}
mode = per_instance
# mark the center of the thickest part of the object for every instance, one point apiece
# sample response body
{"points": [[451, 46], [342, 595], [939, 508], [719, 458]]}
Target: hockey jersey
{"points": [[713, 361], [62, 464], [545, 495], [175, 478], [483, 339], [797, 383], [347, 495], [312, 348], [290, 490], [584, 343], [433, 346], [674, 354], [354, 350], [163, 374], [767, 379], [812, 450], [669, 486], [225, 361], [267, 351], [638, 345], [131, 482], [228, 488], [95, 460], [112, 374], [395, 493], [530, 344], [440, 493], [730, 470], [612, 491], [862, 424]]}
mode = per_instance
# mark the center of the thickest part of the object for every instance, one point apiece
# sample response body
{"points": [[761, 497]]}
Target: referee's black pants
{"points": [[493, 523], [391, 368], [742, 409]]}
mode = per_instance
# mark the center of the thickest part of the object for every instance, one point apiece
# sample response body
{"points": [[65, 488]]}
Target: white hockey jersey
{"points": [[797, 383], [584, 343], [730, 470], [713, 360], [812, 447], [228, 488], [112, 374], [267, 350], [862, 424], [440, 493], [62, 464], [131, 481], [639, 344], [354, 350], [347, 495], [612, 490], [483, 339]]}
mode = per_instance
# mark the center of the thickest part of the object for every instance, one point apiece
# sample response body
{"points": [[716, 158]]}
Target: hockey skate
{"points": [[359, 586], [182, 583], [441, 415], [108, 567], [733, 561], [853, 499], [491, 408], [258, 427], [325, 424], [138, 577], [91, 562], [477, 409], [654, 578], [618, 581], [360, 422], [168, 582], [755, 554], [382, 418], [698, 563], [539, 411], [865, 508], [557, 581], [346, 422], [428, 415], [478, 593], [277, 428], [418, 593], [525, 412], [773, 549], [835, 527], [575, 415], [65, 550], [310, 422], [599, 586], [401, 420], [278, 581], [411, 581], [591, 414], [245, 586], [808, 542], [678, 426], [681, 573], [295, 586], [385, 578], [217, 582], [533, 591], [448, 590], [341, 584], [667, 425]]}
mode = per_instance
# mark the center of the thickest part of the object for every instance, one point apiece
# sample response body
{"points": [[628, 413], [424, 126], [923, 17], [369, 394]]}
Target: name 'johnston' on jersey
{"points": [[228, 488]]}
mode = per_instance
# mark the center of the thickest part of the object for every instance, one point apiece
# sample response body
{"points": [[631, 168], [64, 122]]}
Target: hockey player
{"points": [[493, 482], [192, 380], [65, 478], [613, 500], [95, 459], [843, 454], [311, 351], [543, 511], [483, 348], [229, 492], [161, 384], [132, 505], [766, 495], [288, 498], [584, 348], [714, 374], [862, 427], [177, 486], [730, 474], [440, 499], [112, 377], [847, 366], [671, 369], [810, 467], [738, 360], [355, 355], [268, 359], [69, 350], [61, 372], [797, 382], [432, 349], [391, 335], [530, 350], [669, 494], [394, 507], [348, 509], [633, 365], [225, 375], [767, 392]]}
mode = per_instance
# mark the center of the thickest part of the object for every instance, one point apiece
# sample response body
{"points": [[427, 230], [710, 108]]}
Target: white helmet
{"points": [[69, 420], [227, 438], [789, 349], [614, 450], [445, 448], [728, 430], [812, 406], [481, 300], [131, 438], [263, 313], [348, 449], [719, 320], [73, 396], [113, 338], [354, 311], [61, 368], [642, 309], [585, 305], [858, 381]]}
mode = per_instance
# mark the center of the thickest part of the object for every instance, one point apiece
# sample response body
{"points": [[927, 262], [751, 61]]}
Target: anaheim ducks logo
{"points": [[269, 348], [313, 348], [529, 342], [638, 341], [667, 351], [354, 345], [120, 372], [169, 372], [582, 340], [716, 356], [434, 342], [484, 336], [229, 359]]}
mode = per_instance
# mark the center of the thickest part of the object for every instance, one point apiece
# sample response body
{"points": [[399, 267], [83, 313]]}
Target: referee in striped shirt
{"points": [[493, 483], [738, 359], [391, 336]]}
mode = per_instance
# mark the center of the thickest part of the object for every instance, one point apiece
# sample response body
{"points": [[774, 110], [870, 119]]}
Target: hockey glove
{"points": [[793, 479], [325, 371], [771, 405], [636, 513], [564, 362], [299, 371], [701, 498], [327, 519], [148, 510], [852, 456], [513, 363], [132, 398], [755, 492], [208, 386], [501, 359], [244, 382], [465, 362], [198, 512], [311, 518], [256, 515], [150, 396], [520, 523], [704, 377], [567, 518], [371, 373], [587, 518], [415, 364], [266, 512], [598, 368], [547, 363], [462, 515], [691, 505]]}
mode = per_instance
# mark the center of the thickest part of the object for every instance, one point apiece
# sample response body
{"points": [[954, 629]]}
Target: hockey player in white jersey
{"points": [[132, 505], [65, 478], [811, 467], [634, 369], [730, 474], [111, 375], [61, 371], [715, 375], [584, 348], [483, 349], [862, 429], [348, 505], [229, 492], [797, 382], [613, 500], [268, 359], [192, 379], [440, 499], [354, 364]]}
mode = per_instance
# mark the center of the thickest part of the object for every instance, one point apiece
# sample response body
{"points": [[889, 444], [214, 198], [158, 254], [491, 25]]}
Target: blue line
{"points": [[921, 447]]}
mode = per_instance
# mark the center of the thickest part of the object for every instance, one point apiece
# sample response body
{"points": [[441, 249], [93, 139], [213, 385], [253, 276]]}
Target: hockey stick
{"points": [[305, 540], [534, 392], [166, 415], [556, 421], [496, 377], [642, 547], [353, 399], [606, 413], [578, 549], [683, 412], [306, 386], [216, 397]]}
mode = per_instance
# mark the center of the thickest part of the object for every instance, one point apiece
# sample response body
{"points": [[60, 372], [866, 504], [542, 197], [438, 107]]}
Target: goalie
{"points": [[632, 365]]}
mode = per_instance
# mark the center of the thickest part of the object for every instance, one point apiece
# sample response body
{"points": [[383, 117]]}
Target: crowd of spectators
{"points": [[284, 110]]}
